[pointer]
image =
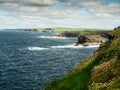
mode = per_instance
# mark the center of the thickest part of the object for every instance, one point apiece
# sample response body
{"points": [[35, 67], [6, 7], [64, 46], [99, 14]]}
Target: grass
{"points": [[75, 30], [66, 30], [75, 81], [115, 32], [100, 71], [116, 83]]}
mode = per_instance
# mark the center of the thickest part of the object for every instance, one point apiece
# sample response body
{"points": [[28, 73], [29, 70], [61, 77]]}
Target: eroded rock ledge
{"points": [[69, 34], [90, 40]]}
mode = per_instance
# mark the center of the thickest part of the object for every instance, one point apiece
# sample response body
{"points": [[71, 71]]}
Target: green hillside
{"points": [[101, 71], [75, 30]]}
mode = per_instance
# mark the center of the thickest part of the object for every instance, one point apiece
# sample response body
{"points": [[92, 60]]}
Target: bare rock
{"points": [[69, 34], [90, 39]]}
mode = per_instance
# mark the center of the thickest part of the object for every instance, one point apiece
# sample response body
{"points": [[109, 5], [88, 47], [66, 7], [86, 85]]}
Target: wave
{"points": [[67, 46], [36, 48], [56, 33], [92, 46], [62, 47], [75, 47], [52, 37]]}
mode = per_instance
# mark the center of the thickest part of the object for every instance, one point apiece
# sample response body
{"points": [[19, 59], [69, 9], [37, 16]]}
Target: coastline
{"points": [[88, 43], [88, 38], [100, 71]]}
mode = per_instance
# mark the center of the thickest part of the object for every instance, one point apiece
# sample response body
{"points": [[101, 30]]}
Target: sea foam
{"points": [[67, 46], [36, 48], [93, 46], [75, 47], [52, 37], [71, 46]]}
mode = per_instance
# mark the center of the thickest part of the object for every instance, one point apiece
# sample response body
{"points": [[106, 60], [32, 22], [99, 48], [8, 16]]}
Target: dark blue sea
{"points": [[28, 60]]}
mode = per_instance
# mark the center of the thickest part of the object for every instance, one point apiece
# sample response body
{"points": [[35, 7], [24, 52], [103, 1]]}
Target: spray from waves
{"points": [[36, 48], [52, 37]]}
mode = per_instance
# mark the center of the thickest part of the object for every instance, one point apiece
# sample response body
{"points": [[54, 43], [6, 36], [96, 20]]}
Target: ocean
{"points": [[28, 60]]}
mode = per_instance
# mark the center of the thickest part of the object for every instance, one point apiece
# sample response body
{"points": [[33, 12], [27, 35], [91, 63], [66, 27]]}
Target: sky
{"points": [[102, 14]]}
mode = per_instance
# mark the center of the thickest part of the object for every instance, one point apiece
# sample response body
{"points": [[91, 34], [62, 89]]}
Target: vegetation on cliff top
{"points": [[76, 30], [101, 71]]}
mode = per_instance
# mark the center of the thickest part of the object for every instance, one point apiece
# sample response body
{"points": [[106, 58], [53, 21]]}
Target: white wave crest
{"points": [[74, 47], [62, 47], [36, 48], [93, 46], [67, 46], [56, 33], [52, 37]]}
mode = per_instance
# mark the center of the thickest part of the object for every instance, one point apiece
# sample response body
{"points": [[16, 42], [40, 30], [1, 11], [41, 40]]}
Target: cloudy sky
{"points": [[103, 14]]}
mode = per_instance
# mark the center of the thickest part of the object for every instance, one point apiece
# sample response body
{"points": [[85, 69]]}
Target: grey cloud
{"points": [[43, 3], [99, 7], [95, 7], [29, 2], [39, 2], [91, 5], [17, 6], [8, 1], [65, 0]]}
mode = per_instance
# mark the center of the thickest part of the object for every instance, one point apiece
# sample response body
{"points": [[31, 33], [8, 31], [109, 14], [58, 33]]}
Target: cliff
{"points": [[101, 71], [87, 37], [91, 39], [84, 32], [69, 34]]}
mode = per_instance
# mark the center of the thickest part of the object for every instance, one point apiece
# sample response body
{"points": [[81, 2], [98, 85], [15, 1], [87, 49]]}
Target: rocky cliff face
{"points": [[87, 38], [91, 39], [101, 71], [69, 34]]}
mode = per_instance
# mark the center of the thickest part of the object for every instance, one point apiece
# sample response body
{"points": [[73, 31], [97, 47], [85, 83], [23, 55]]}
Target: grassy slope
{"points": [[75, 29], [79, 30], [101, 71]]}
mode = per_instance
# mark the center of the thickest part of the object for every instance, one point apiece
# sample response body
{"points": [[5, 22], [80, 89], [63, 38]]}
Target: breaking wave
{"points": [[75, 47], [93, 46], [52, 37], [36, 48], [61, 47]]}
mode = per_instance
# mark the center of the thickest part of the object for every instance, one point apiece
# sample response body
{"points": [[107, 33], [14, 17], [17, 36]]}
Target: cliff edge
{"points": [[101, 71], [91, 40]]}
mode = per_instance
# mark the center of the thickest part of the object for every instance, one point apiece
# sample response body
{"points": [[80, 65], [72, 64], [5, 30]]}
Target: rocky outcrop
{"points": [[90, 39], [69, 34], [101, 71]]}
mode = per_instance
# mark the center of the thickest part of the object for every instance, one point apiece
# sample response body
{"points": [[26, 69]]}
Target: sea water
{"points": [[28, 60]]}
